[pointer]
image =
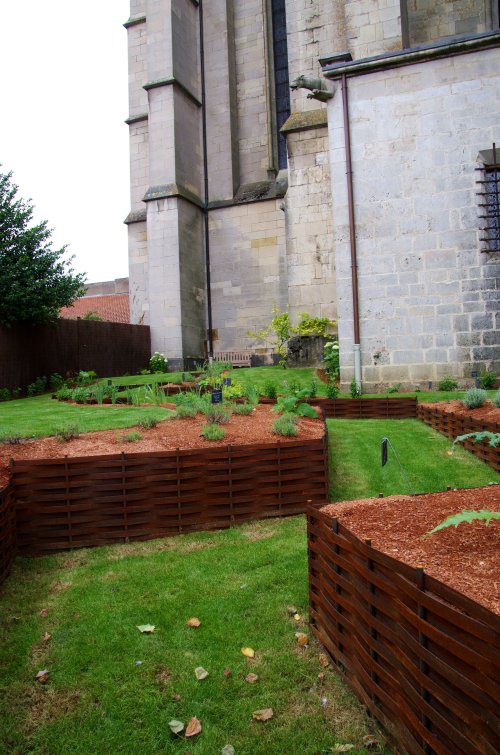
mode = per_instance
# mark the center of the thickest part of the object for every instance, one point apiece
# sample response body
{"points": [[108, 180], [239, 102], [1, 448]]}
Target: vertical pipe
{"points": [[352, 234], [205, 182]]}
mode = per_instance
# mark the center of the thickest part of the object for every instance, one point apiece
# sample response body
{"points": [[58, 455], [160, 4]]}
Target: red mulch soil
{"points": [[169, 434], [466, 558], [487, 412]]}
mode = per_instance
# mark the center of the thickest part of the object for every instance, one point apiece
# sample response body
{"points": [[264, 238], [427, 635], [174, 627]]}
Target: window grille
{"points": [[281, 83], [489, 203]]}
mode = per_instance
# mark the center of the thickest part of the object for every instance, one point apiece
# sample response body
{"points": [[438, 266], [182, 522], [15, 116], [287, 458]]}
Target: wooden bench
{"points": [[237, 358]]}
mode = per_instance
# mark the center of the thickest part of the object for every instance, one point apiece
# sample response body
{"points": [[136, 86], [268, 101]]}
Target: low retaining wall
{"points": [[453, 425], [422, 657], [362, 408], [89, 501], [8, 535]]}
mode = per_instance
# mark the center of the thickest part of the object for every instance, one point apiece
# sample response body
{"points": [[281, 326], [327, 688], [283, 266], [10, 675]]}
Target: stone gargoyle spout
{"points": [[318, 88]]}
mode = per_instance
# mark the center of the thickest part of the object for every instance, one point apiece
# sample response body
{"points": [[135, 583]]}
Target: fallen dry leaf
{"points": [[263, 715], [227, 672], [291, 610], [249, 652], [370, 741], [44, 613], [297, 616], [46, 637], [302, 639], [176, 697], [321, 676], [194, 622], [146, 628], [200, 673], [193, 728], [323, 660], [42, 676], [251, 678], [176, 726]]}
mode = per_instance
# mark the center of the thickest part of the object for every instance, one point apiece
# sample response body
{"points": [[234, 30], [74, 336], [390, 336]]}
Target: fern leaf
{"points": [[466, 516]]}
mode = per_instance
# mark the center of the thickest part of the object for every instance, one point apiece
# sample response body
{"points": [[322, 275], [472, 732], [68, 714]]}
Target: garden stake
{"points": [[385, 442]]}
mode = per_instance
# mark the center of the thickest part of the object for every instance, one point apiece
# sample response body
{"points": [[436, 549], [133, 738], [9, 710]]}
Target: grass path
{"points": [[99, 699]]}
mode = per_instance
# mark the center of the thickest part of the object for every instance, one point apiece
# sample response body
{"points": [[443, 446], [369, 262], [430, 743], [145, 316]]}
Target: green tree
{"points": [[35, 280]]}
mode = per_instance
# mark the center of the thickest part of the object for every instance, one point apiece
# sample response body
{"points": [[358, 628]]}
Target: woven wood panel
{"points": [[363, 408], [422, 657], [7, 530], [453, 425], [75, 502]]}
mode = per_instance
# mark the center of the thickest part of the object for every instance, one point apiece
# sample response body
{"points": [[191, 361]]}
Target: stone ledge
{"points": [[304, 121], [134, 21], [136, 118], [172, 82], [261, 191], [165, 191], [139, 216]]}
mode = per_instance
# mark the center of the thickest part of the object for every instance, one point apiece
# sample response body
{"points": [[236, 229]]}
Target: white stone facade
{"points": [[427, 292]]}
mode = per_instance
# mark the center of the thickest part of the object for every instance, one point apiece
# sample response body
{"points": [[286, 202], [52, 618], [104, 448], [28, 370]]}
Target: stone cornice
{"points": [[134, 21], [165, 191], [172, 82], [262, 191], [410, 56], [304, 121], [139, 216], [136, 118]]}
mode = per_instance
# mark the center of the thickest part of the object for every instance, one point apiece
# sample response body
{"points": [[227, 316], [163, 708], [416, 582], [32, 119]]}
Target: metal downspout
{"points": [[205, 181], [352, 234]]}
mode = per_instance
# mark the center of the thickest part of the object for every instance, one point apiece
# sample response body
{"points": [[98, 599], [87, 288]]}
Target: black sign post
{"points": [[383, 448], [216, 396]]}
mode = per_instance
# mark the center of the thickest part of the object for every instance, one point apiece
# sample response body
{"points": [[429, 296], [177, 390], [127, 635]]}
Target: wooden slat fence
{"points": [[422, 657], [8, 534], [88, 501], [363, 408], [451, 425]]}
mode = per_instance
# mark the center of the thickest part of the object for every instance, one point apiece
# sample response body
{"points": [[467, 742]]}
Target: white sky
{"points": [[63, 102]]}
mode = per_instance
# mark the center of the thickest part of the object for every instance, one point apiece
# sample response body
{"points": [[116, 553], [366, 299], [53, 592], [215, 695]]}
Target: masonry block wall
{"points": [[428, 294]]}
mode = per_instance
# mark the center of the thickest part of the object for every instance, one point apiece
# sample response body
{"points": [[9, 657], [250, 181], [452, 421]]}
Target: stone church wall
{"points": [[428, 295]]}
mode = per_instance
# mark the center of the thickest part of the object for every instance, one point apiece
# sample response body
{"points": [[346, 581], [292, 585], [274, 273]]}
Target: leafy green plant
{"points": [[276, 334], [85, 377], [92, 315], [354, 389], [148, 423], [285, 425], [484, 515], [252, 394], [67, 433], [332, 390], [37, 387], [158, 362], [478, 437], [64, 394], [186, 411], [270, 389], [4, 394], [331, 359], [99, 392], [487, 380], [447, 383], [155, 394], [80, 395], [474, 398], [294, 404], [496, 399], [313, 388], [16, 392], [394, 388], [235, 390], [56, 381], [217, 414], [132, 437], [242, 408], [213, 431], [312, 326]]}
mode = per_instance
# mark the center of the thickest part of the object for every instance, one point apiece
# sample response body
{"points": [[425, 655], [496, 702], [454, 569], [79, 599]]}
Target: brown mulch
{"points": [[488, 411], [167, 435], [466, 558]]}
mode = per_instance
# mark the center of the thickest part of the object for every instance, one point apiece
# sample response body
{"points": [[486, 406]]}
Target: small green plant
{"points": [[213, 431], [155, 394], [92, 315], [496, 399], [354, 389], [313, 388], [332, 391], [242, 408], [158, 362], [312, 326], [37, 387], [484, 515], [186, 411], [99, 392], [276, 334], [85, 377], [217, 414], [67, 433], [285, 425], [235, 390], [294, 404], [474, 398], [4, 394], [447, 383], [394, 388], [252, 394], [478, 437], [80, 395], [148, 423], [16, 392], [12, 440], [331, 359], [270, 389], [56, 382], [132, 437], [64, 394], [487, 380]]}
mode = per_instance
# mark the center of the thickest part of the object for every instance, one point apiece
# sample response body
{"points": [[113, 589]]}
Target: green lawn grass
{"points": [[99, 699], [355, 460]]}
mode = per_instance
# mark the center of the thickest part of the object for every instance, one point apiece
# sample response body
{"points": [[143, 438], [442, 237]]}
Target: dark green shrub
{"points": [[447, 384], [67, 432], [158, 362], [354, 389], [332, 390], [474, 398], [270, 389], [394, 388], [37, 387], [331, 359], [4, 394], [213, 431], [286, 425], [313, 388], [80, 395], [487, 380], [16, 392], [85, 377], [242, 408], [64, 394], [56, 382]]}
